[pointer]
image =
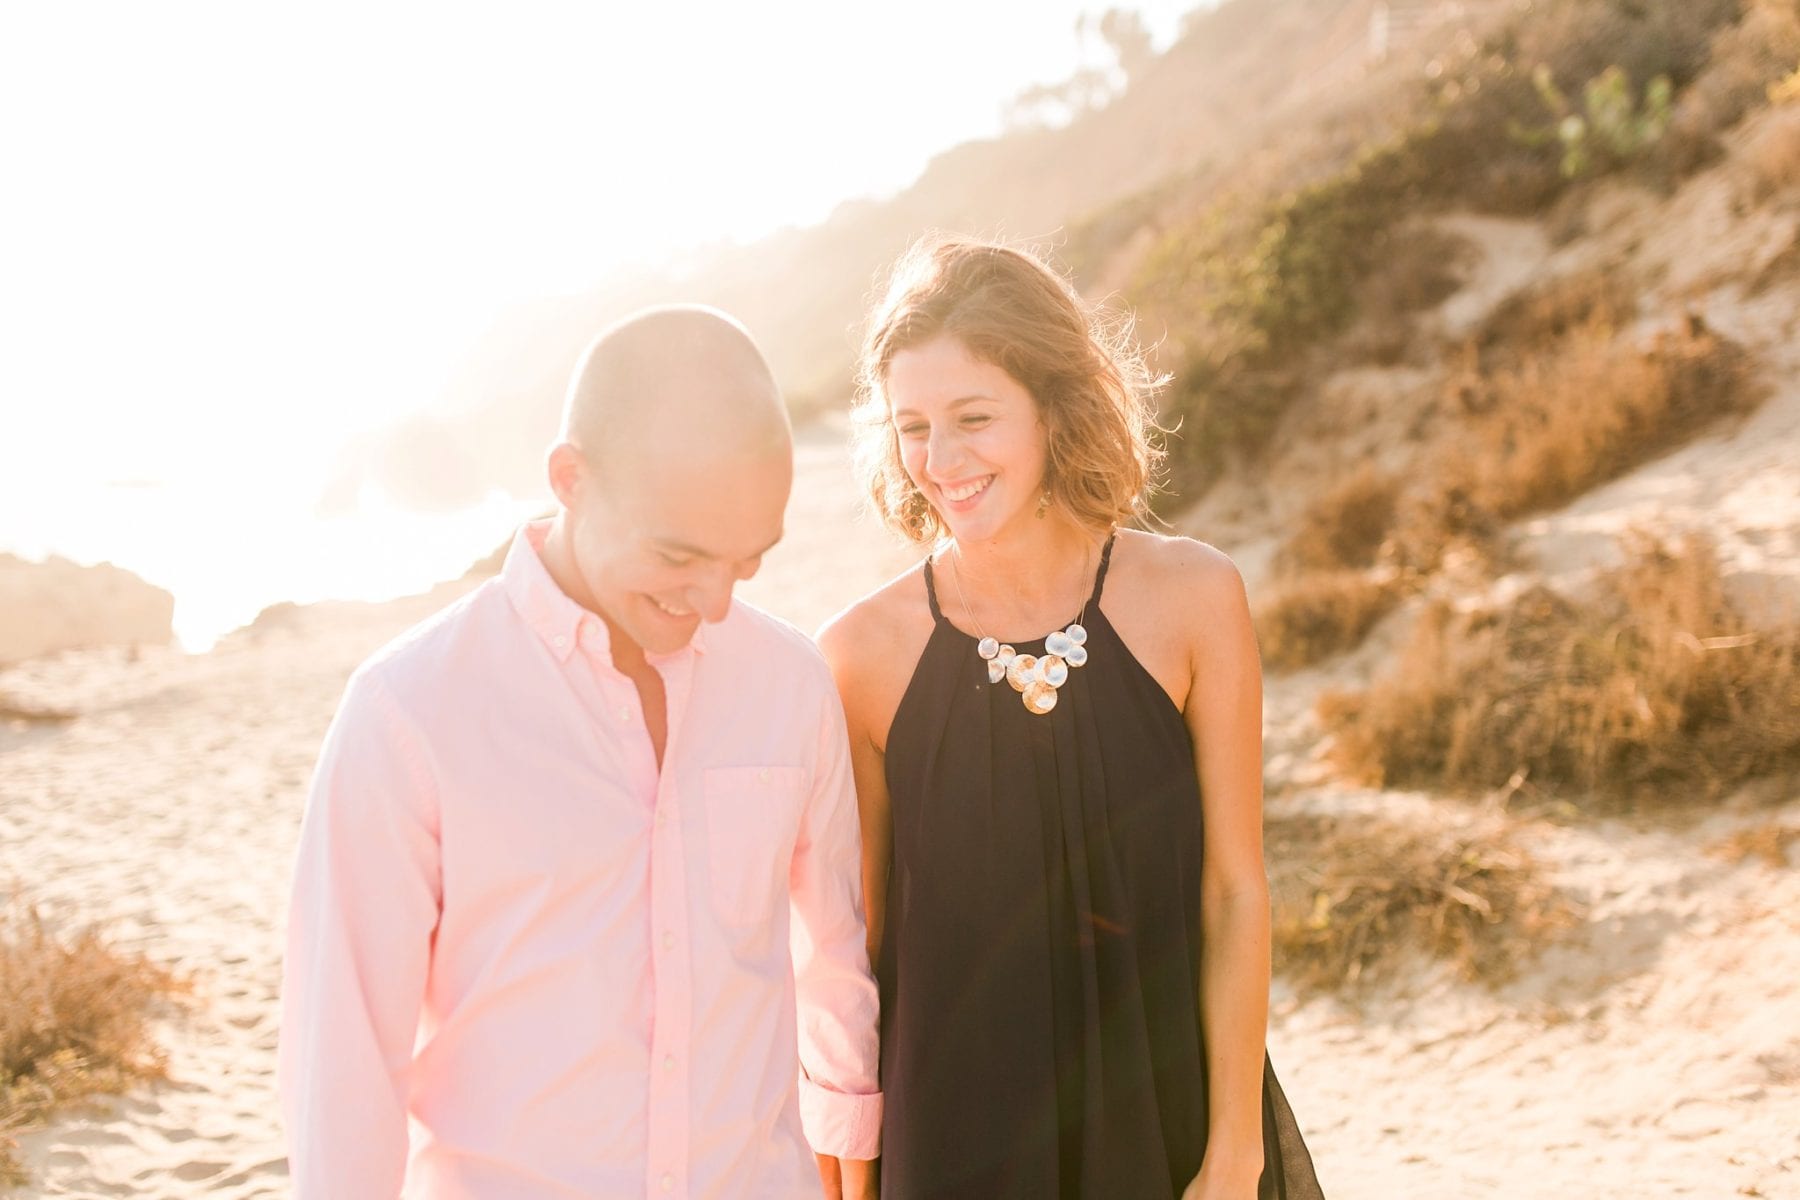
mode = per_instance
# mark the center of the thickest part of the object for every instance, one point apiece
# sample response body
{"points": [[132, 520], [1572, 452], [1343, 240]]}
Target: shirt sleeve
{"points": [[363, 911], [840, 1096]]}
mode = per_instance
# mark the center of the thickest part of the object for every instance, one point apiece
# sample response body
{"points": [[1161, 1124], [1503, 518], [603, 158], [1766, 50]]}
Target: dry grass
{"points": [[1419, 267], [1786, 90], [1344, 528], [1595, 407], [1585, 408], [1768, 841], [73, 1023], [1439, 522], [1656, 688], [1539, 317], [1772, 159], [1355, 898], [1311, 617], [1745, 59]]}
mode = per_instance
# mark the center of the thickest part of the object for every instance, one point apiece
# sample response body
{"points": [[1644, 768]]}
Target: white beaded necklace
{"points": [[1035, 679]]}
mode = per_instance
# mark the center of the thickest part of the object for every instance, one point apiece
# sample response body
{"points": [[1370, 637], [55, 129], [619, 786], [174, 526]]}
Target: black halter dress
{"points": [[1040, 967]]}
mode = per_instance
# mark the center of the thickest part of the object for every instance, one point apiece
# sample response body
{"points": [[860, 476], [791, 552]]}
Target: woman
{"points": [[1046, 717]]}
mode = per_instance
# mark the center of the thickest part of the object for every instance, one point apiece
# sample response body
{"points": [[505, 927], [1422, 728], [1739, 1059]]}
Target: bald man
{"points": [[579, 848]]}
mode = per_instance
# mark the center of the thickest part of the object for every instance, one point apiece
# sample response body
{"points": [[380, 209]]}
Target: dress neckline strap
{"points": [[937, 614], [1100, 575]]}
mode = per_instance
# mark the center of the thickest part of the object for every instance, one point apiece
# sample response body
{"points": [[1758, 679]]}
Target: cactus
{"points": [[1610, 128]]}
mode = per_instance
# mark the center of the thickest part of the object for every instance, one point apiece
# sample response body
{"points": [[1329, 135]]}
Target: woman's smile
{"points": [[962, 496]]}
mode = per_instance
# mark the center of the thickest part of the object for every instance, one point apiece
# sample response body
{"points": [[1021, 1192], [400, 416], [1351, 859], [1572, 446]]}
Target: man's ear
{"points": [[567, 469]]}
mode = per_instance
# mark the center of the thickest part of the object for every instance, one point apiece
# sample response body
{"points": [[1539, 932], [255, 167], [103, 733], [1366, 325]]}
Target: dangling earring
{"points": [[1043, 504]]}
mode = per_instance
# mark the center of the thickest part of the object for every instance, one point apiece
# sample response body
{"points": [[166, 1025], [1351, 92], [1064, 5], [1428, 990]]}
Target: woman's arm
{"points": [[1224, 715], [859, 1179], [839, 643]]}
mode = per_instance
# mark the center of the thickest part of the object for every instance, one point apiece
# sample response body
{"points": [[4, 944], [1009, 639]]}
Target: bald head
{"points": [[682, 382], [672, 475]]}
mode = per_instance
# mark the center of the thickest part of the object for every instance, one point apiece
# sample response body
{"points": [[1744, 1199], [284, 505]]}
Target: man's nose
{"points": [[712, 597]]}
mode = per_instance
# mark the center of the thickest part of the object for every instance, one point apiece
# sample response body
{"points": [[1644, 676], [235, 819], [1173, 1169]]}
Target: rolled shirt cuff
{"points": [[840, 1124]]}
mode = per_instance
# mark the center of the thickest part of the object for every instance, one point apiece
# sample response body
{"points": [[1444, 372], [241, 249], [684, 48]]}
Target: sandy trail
{"points": [[1657, 1053]]}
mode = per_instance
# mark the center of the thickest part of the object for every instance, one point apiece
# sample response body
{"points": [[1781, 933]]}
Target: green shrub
{"points": [[1249, 284], [1260, 285], [1611, 128]]}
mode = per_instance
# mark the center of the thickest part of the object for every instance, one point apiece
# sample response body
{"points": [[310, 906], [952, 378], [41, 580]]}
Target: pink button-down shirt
{"points": [[522, 962]]}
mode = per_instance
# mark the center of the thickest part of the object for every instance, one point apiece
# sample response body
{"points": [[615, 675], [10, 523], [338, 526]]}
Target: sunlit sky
{"points": [[234, 236]]}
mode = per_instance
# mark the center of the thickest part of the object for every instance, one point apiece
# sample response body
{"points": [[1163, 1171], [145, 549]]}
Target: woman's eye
{"points": [[975, 420], [674, 560], [912, 430]]}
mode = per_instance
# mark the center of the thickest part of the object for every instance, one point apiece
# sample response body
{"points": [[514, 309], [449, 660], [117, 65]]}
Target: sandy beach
{"points": [[1654, 1052], [1383, 254]]}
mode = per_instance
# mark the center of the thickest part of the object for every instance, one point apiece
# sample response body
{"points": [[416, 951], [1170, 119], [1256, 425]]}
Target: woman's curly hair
{"points": [[1084, 370]]}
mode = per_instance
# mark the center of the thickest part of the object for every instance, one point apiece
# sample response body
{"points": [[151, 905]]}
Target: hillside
{"points": [[1193, 116], [1510, 457]]}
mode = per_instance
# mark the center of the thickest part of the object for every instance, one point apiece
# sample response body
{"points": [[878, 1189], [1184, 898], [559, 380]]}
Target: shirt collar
{"points": [[547, 609]]}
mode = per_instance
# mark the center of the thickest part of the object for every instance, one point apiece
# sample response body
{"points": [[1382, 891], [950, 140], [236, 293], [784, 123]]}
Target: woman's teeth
{"points": [[968, 490], [673, 612]]}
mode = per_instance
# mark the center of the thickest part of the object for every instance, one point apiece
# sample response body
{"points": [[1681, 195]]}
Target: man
{"points": [[571, 859]]}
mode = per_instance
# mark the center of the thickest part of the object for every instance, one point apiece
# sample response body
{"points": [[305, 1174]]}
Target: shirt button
{"points": [[668, 1182], [559, 641], [624, 713], [668, 940], [668, 1062], [762, 776]]}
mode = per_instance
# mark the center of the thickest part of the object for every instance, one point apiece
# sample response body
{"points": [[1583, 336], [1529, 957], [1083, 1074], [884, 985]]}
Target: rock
{"points": [[283, 614], [58, 605]]}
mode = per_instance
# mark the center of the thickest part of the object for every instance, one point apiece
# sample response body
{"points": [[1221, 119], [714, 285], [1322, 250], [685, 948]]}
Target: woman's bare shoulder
{"points": [[1184, 569], [873, 647], [1178, 602], [884, 617]]}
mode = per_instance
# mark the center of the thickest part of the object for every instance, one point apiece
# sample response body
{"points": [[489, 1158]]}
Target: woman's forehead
{"points": [[943, 373]]}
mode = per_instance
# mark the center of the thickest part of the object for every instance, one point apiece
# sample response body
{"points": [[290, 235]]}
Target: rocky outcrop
{"points": [[59, 605]]}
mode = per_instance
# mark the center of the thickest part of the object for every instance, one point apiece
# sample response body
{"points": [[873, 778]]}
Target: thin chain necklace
{"points": [[1035, 679]]}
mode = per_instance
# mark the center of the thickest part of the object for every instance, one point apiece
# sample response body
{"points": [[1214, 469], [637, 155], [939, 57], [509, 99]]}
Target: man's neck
{"points": [[559, 560], [558, 555]]}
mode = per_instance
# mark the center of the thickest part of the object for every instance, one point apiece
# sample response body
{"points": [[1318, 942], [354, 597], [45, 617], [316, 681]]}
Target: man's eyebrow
{"points": [[969, 399], [681, 547]]}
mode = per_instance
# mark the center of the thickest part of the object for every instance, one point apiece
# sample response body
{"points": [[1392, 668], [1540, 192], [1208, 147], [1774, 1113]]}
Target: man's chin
{"points": [[663, 632]]}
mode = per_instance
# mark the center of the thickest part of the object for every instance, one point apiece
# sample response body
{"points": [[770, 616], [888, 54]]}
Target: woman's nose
{"points": [[941, 453]]}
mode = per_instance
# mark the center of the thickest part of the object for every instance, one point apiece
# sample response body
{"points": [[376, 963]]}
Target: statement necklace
{"points": [[1035, 679]]}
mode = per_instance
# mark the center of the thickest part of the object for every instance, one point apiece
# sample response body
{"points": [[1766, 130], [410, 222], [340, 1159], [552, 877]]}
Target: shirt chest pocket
{"points": [[752, 815]]}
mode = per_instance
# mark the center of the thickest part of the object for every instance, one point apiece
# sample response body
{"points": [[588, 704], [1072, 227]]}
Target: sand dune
{"points": [[58, 605]]}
